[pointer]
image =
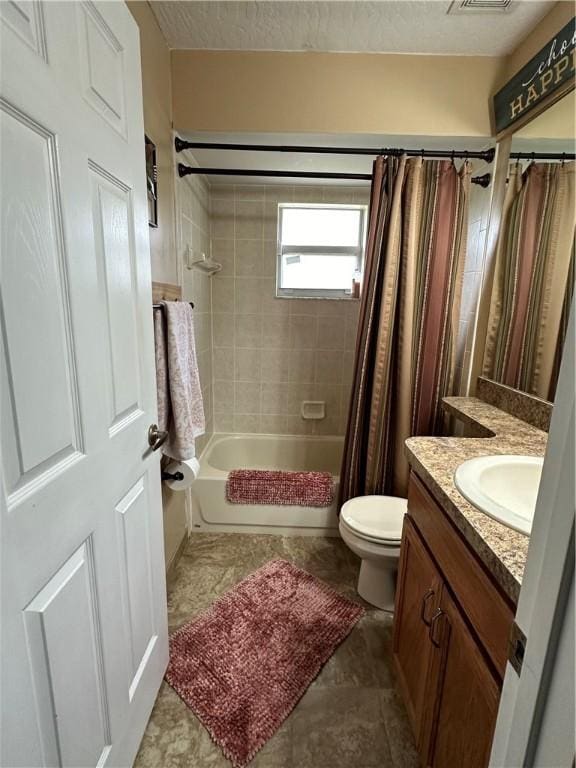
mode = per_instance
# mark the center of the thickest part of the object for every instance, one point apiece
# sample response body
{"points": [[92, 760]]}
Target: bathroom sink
{"points": [[504, 487]]}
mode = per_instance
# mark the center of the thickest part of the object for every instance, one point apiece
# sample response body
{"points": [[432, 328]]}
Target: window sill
{"points": [[318, 298]]}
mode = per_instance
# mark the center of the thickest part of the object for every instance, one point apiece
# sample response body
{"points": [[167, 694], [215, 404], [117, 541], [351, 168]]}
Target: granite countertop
{"points": [[434, 459]]}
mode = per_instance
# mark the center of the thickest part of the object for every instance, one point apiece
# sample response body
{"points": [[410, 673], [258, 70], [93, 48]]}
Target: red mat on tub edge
{"points": [[243, 664], [262, 486]]}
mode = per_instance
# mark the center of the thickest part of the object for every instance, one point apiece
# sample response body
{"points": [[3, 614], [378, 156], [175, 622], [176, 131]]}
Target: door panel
{"points": [[467, 695], [83, 624], [417, 597], [115, 254], [26, 19], [102, 67], [38, 360], [137, 583], [65, 647]]}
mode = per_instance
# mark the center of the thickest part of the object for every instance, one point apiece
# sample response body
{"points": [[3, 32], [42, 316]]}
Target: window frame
{"points": [[320, 250]]}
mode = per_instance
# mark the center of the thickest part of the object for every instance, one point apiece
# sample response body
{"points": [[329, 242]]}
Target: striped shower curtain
{"points": [[533, 278], [409, 314]]}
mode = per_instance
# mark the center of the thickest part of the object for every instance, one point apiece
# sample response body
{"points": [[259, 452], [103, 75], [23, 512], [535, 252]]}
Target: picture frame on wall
{"points": [[151, 182]]}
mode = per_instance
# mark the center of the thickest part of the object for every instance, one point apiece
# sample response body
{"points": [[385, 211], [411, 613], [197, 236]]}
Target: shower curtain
{"points": [[533, 278], [409, 314]]}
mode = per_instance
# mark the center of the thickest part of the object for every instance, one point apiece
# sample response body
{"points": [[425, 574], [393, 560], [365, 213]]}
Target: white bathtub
{"points": [[211, 511]]}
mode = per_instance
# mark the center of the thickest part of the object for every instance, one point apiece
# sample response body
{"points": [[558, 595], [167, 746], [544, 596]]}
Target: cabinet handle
{"points": [[433, 622], [428, 594]]}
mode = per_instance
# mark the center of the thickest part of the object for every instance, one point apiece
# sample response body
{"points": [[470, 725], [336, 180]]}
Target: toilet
{"points": [[372, 527]]}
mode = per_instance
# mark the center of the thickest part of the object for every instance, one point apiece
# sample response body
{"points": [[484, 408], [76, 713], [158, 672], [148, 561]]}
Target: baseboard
{"points": [[171, 566]]}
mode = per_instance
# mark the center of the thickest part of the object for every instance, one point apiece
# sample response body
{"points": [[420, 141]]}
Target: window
{"points": [[320, 247]]}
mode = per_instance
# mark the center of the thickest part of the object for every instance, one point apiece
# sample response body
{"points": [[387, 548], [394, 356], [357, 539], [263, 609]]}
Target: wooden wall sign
{"points": [[547, 77]]}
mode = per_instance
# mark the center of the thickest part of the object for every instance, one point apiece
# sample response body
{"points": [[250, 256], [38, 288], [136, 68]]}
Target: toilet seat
{"points": [[378, 543], [375, 518]]}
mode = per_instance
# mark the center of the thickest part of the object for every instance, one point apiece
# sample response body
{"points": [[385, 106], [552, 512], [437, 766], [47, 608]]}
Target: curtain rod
{"points": [[542, 156], [484, 154], [186, 170]]}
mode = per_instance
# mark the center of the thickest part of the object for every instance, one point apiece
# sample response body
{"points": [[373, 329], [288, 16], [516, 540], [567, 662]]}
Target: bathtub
{"points": [[211, 511]]}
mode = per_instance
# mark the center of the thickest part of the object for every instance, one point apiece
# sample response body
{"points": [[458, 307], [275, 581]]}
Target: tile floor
{"points": [[350, 717]]}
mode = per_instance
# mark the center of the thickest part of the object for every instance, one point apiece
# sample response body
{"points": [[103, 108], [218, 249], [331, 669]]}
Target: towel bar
{"points": [[159, 306]]}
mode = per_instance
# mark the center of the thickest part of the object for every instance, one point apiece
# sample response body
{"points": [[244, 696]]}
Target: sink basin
{"points": [[504, 487]]}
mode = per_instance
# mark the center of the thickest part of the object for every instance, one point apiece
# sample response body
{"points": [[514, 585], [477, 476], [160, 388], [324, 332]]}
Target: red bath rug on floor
{"points": [[242, 665], [262, 486]]}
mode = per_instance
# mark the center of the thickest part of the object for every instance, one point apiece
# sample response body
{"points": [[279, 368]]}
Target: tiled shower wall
{"points": [[270, 354], [260, 356], [479, 211], [193, 210]]}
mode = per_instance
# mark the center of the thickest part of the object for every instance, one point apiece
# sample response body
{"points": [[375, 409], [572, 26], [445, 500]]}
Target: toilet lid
{"points": [[379, 517]]}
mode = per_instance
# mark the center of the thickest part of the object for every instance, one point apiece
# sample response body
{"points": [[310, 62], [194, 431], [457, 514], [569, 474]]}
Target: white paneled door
{"points": [[84, 632]]}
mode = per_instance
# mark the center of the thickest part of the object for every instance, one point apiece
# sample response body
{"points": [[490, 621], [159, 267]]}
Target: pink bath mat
{"points": [[242, 665], [262, 486]]}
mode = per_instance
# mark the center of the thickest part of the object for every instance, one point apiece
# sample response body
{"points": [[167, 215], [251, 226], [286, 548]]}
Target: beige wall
{"points": [[558, 122], [156, 88], [552, 23], [332, 92], [157, 92], [271, 353]]}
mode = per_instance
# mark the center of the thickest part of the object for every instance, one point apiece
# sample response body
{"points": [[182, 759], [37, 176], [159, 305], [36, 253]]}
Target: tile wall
{"points": [[479, 211], [270, 354], [260, 356], [193, 209]]}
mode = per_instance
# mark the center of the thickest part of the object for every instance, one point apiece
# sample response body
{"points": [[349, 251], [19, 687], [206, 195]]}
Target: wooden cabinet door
{"points": [[466, 694], [417, 598]]}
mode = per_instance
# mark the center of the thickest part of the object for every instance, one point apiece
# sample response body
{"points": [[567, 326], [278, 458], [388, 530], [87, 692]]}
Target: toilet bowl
{"points": [[372, 527]]}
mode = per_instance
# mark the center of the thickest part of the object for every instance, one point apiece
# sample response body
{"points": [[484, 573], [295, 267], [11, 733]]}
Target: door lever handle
{"points": [[425, 599], [156, 437]]}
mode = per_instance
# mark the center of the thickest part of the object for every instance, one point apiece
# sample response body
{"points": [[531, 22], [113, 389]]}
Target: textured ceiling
{"points": [[345, 25]]}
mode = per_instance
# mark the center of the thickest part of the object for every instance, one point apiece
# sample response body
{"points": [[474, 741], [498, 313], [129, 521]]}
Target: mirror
{"points": [[534, 266]]}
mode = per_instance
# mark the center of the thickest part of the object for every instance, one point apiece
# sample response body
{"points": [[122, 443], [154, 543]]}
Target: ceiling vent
{"points": [[481, 6]]}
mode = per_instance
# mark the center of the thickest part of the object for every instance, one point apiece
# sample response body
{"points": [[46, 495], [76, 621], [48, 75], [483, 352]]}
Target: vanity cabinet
{"points": [[420, 585], [465, 692], [449, 658]]}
